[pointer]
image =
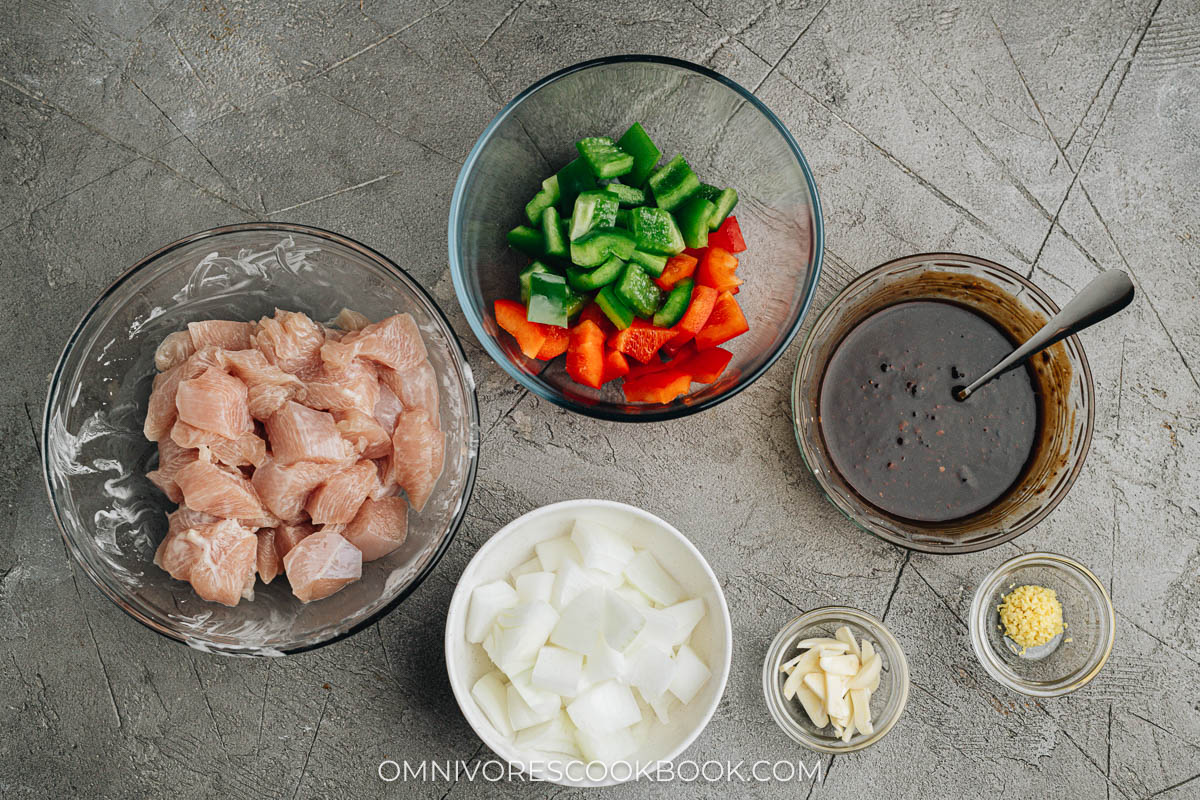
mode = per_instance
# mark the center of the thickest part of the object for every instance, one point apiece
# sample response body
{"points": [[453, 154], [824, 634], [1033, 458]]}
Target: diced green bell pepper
{"points": [[723, 199], [623, 218], [654, 230], [527, 273], [628, 196], [614, 308], [549, 299], [637, 291], [593, 209], [676, 304], [574, 178], [693, 218], [673, 183], [595, 248], [653, 264], [604, 157], [527, 240], [552, 233], [638, 144], [547, 197], [585, 280]]}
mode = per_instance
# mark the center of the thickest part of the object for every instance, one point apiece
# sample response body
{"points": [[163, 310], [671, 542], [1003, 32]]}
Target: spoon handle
{"points": [[1105, 295]]}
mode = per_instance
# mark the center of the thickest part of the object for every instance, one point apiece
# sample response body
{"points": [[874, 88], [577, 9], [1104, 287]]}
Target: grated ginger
{"points": [[1031, 615]]}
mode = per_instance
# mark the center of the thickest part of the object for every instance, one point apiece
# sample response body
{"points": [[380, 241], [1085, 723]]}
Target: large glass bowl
{"points": [[95, 457], [1067, 403], [730, 139]]}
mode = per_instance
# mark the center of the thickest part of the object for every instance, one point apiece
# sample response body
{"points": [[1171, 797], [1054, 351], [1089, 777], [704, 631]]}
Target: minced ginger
{"points": [[1031, 616]]}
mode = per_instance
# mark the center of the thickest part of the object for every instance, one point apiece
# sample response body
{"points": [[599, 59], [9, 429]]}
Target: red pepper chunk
{"points": [[678, 267], [556, 343], [707, 365], [703, 300], [530, 336], [661, 386], [585, 354], [615, 366], [717, 268], [728, 236], [641, 340], [596, 314], [725, 322]]}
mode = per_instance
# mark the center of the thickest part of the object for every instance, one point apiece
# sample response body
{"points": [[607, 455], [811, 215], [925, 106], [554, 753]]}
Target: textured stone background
{"points": [[1058, 138]]}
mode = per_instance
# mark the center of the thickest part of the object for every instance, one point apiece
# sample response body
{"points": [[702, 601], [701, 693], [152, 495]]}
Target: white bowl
{"points": [[513, 545]]}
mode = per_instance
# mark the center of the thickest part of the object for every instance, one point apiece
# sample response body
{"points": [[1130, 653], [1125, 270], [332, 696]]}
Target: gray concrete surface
{"points": [[1058, 138]]}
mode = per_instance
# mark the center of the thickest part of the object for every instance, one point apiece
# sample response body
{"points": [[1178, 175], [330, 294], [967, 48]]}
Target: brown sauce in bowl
{"points": [[894, 430]]}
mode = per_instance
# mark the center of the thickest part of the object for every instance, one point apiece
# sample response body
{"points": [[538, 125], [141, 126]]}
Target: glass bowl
{"points": [[95, 456], [1063, 379], [1069, 660], [887, 703], [728, 136]]}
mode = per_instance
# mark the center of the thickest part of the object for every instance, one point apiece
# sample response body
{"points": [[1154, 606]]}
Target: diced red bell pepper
{"points": [[585, 354], [725, 322], [530, 336], [615, 366], [703, 300], [728, 236], [641, 340], [596, 314], [556, 343], [695, 252], [678, 267], [655, 364], [662, 386], [707, 365], [716, 270]]}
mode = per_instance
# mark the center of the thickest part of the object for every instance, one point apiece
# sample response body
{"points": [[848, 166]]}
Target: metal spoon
{"points": [[1104, 296]]}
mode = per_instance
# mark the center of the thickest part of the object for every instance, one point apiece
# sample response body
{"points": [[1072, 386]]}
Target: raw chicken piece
{"points": [[249, 449], [418, 447], [214, 490], [269, 562], [394, 342], [217, 558], [252, 367], [284, 488], [171, 458], [223, 333], [298, 433], [288, 536], [290, 341], [320, 565], [354, 386], [379, 527], [364, 432], [160, 409], [349, 320], [387, 408], [215, 401], [202, 360], [173, 350], [416, 388], [265, 399], [338, 499]]}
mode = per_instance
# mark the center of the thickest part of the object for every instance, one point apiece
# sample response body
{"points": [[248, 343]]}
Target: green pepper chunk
{"points": [[693, 218], [606, 159], [595, 248], [527, 240], [676, 304], [723, 199], [637, 291], [654, 230], [593, 209], [673, 183], [574, 178], [527, 274], [552, 233], [614, 308], [623, 218], [627, 196], [653, 264], [638, 144], [585, 280], [547, 197], [549, 299]]}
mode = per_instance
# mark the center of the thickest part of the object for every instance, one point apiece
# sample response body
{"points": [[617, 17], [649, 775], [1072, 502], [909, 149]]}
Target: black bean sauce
{"points": [[893, 428]]}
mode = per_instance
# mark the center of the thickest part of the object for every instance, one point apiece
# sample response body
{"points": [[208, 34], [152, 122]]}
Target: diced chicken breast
{"points": [[290, 341], [265, 399], [215, 401], [284, 488], [299, 433], [253, 369], [223, 333], [269, 562], [418, 448], [394, 342], [416, 388], [218, 491], [171, 458], [363, 431], [288, 536], [173, 350], [217, 558], [320, 565], [387, 408], [338, 499], [379, 527], [349, 320], [354, 386], [160, 410]]}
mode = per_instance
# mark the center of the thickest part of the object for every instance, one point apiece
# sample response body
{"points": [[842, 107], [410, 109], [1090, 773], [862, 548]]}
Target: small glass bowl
{"points": [[1070, 660], [887, 703]]}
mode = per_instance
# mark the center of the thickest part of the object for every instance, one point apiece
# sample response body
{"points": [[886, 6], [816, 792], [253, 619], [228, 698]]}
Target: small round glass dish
{"points": [[1061, 376], [1068, 661], [95, 456], [887, 702], [728, 136]]}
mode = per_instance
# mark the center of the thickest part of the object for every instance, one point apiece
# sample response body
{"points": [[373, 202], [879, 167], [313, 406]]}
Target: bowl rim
{"points": [[930, 547], [473, 437], [816, 616], [598, 411], [983, 651], [461, 596]]}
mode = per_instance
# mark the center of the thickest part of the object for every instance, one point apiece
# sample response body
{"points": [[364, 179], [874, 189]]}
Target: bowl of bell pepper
{"points": [[635, 238]]}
